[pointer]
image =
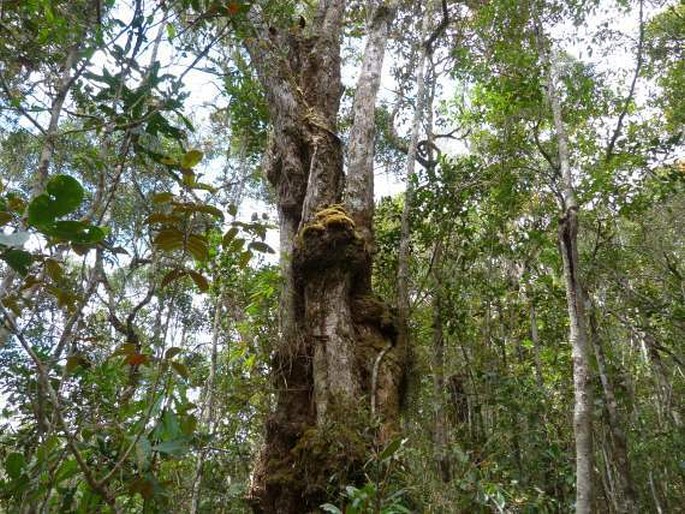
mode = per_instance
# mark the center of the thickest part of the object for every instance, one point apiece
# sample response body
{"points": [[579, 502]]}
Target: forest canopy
{"points": [[339, 256]]}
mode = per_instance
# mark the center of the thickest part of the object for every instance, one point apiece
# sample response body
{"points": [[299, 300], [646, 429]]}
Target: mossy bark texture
{"points": [[332, 327]]}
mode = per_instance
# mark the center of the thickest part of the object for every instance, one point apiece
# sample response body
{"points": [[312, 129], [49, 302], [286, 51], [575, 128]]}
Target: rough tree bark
{"points": [[333, 329]]}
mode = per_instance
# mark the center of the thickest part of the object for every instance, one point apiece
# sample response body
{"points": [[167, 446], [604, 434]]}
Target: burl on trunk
{"points": [[337, 369]]}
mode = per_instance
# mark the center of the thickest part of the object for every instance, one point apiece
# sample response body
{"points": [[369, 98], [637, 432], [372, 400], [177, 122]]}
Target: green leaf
{"points": [[228, 237], [40, 211], [75, 362], [74, 231], [158, 217], [191, 158], [177, 447], [63, 195], [260, 247], [164, 197], [198, 247], [176, 273], [204, 187], [15, 464], [200, 280], [68, 469], [67, 192], [244, 258], [18, 260], [181, 369], [170, 31], [391, 449], [198, 207], [172, 352], [327, 507], [169, 239]]}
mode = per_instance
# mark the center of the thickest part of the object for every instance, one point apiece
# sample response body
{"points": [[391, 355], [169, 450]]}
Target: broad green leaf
{"points": [[15, 464], [260, 247], [11, 302], [16, 203], [54, 269], [74, 362], [391, 449], [205, 187], [172, 352], [158, 217], [174, 274], [74, 231], [198, 207], [177, 447], [244, 258], [191, 159], [125, 349], [63, 195], [18, 260], [68, 469], [200, 280], [188, 424], [181, 369], [169, 239], [66, 192], [228, 237], [198, 247], [164, 197], [41, 211]]}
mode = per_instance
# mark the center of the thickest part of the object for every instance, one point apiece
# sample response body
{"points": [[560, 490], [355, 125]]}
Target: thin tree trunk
{"points": [[535, 338], [568, 240], [403, 302], [607, 479], [207, 414], [655, 494], [440, 434], [628, 496]]}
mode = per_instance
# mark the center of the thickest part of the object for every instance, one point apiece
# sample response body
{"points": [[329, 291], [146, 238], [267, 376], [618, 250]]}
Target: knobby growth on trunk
{"points": [[336, 354]]}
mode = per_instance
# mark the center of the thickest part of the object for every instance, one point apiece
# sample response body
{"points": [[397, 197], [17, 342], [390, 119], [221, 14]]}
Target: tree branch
{"points": [[631, 93], [44, 379]]}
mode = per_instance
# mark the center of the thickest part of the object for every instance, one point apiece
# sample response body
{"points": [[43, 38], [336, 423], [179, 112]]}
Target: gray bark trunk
{"points": [[568, 241], [332, 328], [360, 192], [403, 303]]}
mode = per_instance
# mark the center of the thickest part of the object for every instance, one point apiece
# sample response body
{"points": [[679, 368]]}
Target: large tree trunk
{"points": [[336, 351]]}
